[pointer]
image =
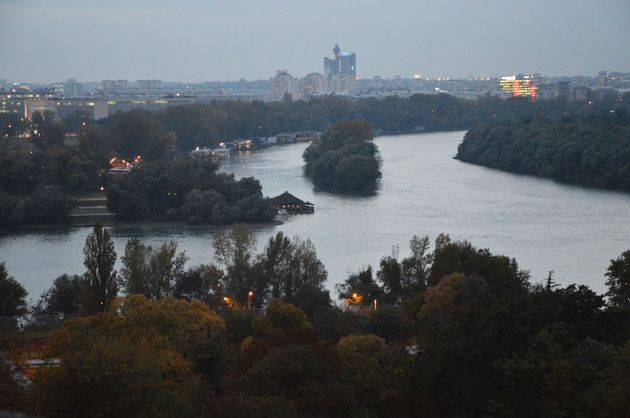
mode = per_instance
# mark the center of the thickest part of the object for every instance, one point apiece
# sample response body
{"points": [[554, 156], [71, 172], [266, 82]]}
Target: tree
{"points": [[152, 272], [618, 281], [204, 282], [415, 268], [360, 288], [149, 357], [63, 297], [166, 267], [135, 269], [500, 272], [390, 275], [99, 261], [293, 272], [344, 160], [373, 372], [12, 294], [286, 316], [234, 250]]}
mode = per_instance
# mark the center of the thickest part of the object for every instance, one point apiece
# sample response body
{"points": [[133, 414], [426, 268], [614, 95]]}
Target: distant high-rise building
{"points": [[581, 93], [331, 67], [284, 85], [313, 85], [342, 83], [149, 85], [348, 63], [114, 85], [602, 79], [518, 85], [547, 91], [71, 88], [564, 90], [343, 64]]}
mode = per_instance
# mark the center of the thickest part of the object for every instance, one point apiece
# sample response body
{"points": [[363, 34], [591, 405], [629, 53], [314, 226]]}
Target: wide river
{"points": [[544, 225]]}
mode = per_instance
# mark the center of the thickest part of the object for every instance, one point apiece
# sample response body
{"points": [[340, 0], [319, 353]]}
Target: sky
{"points": [[203, 40]]}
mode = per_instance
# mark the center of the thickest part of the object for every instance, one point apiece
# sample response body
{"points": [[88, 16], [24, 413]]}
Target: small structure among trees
{"points": [[291, 204]]}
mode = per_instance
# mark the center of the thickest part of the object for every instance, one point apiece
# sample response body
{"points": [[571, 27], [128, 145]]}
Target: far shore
{"points": [[143, 224]]}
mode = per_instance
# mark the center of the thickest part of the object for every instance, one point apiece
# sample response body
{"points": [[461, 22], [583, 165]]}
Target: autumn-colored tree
{"points": [[141, 358]]}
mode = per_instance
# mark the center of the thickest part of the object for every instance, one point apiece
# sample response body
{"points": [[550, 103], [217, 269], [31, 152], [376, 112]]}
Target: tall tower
{"points": [[336, 51]]}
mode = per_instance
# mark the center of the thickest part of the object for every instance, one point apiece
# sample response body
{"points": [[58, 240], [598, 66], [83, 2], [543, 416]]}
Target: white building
{"points": [[313, 85], [285, 84]]}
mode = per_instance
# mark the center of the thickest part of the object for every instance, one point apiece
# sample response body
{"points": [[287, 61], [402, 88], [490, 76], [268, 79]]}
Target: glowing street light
{"points": [[249, 299]]}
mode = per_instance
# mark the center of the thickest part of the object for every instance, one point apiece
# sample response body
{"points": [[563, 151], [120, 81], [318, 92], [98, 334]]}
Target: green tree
{"points": [[390, 275], [293, 272], [152, 272], [204, 282], [63, 297], [360, 288], [344, 160], [234, 249], [12, 294], [618, 281], [500, 272], [373, 372], [99, 261], [166, 267], [135, 271], [416, 267]]}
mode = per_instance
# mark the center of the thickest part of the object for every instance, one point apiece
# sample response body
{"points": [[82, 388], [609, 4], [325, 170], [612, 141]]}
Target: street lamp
{"points": [[249, 299]]}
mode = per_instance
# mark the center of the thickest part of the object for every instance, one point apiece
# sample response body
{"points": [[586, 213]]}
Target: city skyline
{"points": [[114, 40]]}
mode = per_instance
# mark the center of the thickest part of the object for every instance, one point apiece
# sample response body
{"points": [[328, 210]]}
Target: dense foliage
{"points": [[190, 189], [187, 127], [35, 154], [344, 159], [45, 205], [591, 152], [455, 331], [36, 175], [140, 358]]}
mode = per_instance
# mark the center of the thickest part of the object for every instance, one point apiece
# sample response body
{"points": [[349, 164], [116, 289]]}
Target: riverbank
{"points": [[591, 154], [126, 224]]}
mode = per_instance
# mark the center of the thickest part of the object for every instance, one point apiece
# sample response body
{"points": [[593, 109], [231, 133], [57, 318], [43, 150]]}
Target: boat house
{"points": [[287, 203]]}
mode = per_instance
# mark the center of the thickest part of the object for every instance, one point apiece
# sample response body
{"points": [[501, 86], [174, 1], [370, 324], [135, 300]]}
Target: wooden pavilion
{"points": [[291, 204]]}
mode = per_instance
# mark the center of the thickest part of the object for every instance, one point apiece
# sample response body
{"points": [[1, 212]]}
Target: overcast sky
{"points": [[200, 40]]}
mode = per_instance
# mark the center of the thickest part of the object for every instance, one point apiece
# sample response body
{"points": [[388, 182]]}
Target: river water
{"points": [[545, 225]]}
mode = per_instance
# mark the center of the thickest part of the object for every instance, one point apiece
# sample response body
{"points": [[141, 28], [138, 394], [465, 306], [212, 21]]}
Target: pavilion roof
{"points": [[287, 198]]}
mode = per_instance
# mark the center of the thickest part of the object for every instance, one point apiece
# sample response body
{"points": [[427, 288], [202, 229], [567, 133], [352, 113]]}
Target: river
{"points": [[543, 224]]}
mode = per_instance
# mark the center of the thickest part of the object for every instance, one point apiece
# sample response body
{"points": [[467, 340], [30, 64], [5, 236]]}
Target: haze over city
{"points": [[191, 40]]}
